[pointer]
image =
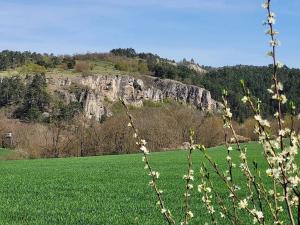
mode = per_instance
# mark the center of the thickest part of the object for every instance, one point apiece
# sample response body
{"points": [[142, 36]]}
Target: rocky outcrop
{"points": [[197, 68], [102, 91]]}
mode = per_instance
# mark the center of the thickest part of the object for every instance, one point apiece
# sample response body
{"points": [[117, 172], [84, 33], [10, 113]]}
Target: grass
{"points": [[99, 67], [8, 154], [99, 190]]}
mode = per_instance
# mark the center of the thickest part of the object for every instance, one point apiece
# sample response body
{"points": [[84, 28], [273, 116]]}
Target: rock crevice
{"points": [[102, 90]]}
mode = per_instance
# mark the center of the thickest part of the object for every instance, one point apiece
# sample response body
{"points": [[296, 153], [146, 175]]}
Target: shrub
{"points": [[69, 62], [82, 66], [131, 65], [32, 68]]}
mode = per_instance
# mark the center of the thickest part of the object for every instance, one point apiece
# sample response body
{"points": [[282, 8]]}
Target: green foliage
{"points": [[69, 62], [11, 90], [67, 112], [14, 59], [36, 99], [33, 99], [179, 72], [152, 104], [32, 68], [258, 79], [87, 190], [122, 66], [117, 107], [130, 65], [165, 70], [128, 52], [11, 59]]}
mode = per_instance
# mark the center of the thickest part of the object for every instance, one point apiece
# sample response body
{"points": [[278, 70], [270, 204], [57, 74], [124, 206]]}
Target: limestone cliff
{"points": [[101, 91]]}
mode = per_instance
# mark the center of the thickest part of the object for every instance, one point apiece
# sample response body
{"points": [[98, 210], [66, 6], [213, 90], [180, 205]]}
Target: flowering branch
{"points": [[141, 143], [189, 177]]}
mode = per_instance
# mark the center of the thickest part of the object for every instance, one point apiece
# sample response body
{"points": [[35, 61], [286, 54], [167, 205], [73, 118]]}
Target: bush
{"points": [[131, 65], [69, 62], [32, 68], [82, 66]]}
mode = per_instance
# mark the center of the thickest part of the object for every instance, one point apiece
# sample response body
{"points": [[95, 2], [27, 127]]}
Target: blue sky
{"points": [[213, 32]]}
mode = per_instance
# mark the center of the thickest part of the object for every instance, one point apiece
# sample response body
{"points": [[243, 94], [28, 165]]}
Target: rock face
{"points": [[197, 68], [102, 91]]}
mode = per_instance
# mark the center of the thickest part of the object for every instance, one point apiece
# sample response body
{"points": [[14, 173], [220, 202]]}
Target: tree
{"points": [[128, 52], [11, 90], [36, 99]]}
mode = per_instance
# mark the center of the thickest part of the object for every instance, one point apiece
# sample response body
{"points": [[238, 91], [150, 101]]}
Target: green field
{"points": [[98, 190]]}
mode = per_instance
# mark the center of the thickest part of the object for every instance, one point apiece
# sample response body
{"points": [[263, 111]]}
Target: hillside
{"points": [[101, 190], [127, 62], [69, 105]]}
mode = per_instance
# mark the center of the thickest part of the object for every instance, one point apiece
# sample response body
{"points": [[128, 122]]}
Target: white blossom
{"points": [[245, 99], [283, 99], [190, 214], [281, 133], [186, 194], [144, 149], [154, 174], [190, 186], [243, 204], [259, 214], [228, 113], [271, 192], [208, 189], [279, 84], [294, 181], [271, 20], [243, 156], [275, 43], [265, 5]]}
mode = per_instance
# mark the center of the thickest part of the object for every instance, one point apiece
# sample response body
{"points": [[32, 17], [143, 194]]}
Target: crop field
{"points": [[100, 190]]}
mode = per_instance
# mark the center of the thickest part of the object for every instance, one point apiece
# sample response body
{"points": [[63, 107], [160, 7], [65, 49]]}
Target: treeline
{"points": [[15, 59]]}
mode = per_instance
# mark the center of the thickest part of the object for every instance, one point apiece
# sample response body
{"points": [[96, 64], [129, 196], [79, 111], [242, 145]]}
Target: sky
{"points": [[212, 32]]}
